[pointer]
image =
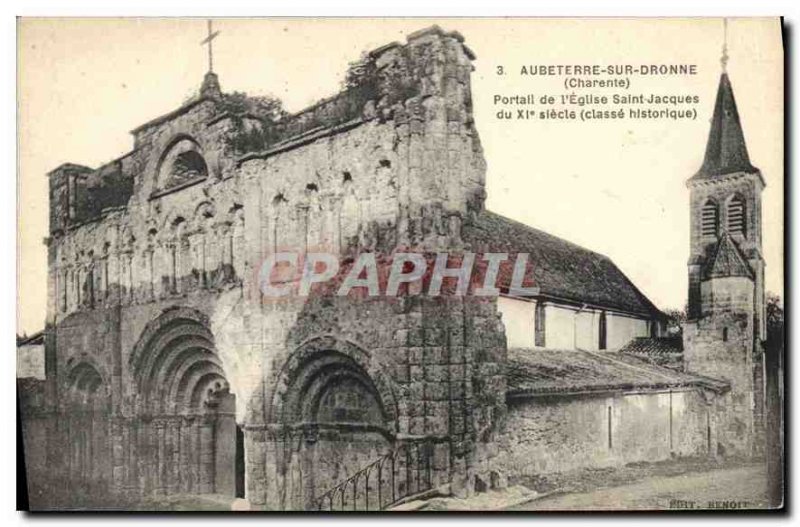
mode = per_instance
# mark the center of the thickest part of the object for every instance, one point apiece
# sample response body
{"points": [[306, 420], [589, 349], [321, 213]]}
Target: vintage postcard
{"points": [[399, 264]]}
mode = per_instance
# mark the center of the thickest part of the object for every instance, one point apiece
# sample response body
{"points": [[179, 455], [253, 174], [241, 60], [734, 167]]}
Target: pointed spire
{"points": [[726, 151]]}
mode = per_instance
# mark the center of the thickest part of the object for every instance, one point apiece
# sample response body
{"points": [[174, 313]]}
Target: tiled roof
{"points": [[547, 371], [560, 268], [662, 351], [35, 339], [727, 261], [726, 151]]}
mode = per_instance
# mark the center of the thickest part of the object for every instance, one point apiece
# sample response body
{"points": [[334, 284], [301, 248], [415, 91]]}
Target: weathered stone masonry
{"points": [[154, 305]]}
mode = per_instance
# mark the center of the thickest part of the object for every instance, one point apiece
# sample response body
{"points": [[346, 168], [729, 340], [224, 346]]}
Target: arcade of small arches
{"points": [[184, 252]]}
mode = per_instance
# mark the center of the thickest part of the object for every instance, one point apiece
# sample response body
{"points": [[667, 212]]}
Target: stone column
{"points": [[206, 477], [118, 446], [194, 455], [173, 457], [184, 459], [161, 458], [255, 470], [274, 479]]}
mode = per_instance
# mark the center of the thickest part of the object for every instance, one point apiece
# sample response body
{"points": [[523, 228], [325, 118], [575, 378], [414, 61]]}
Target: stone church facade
{"points": [[169, 372]]}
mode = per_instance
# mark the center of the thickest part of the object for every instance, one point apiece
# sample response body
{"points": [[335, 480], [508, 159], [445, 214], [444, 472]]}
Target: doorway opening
{"points": [[239, 463]]}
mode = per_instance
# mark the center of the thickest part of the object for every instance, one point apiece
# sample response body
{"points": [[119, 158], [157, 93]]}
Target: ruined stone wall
{"points": [[403, 172], [555, 434], [404, 177]]}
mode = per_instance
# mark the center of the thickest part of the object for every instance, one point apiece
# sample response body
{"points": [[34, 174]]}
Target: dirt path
{"points": [[727, 488]]}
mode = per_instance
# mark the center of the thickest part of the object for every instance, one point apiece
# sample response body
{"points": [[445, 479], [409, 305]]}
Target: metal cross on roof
{"points": [[209, 40]]}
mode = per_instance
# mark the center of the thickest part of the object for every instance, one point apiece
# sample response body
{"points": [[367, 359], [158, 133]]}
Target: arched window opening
{"points": [[189, 165], [182, 164], [725, 334], [737, 217], [709, 219]]}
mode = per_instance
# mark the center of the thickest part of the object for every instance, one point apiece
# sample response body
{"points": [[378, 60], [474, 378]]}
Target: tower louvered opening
{"points": [[736, 216], [709, 219]]}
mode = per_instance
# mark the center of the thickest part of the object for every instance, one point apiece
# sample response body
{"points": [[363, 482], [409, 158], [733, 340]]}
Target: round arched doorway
{"points": [[332, 419], [85, 406], [185, 433]]}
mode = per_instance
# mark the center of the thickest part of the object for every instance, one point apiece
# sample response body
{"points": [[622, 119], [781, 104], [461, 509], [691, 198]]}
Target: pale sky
{"points": [[616, 187]]}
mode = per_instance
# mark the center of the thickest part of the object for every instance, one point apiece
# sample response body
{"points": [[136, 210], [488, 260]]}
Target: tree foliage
{"points": [[774, 313], [360, 72], [267, 111], [676, 318]]}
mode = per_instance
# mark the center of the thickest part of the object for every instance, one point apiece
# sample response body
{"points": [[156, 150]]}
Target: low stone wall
{"points": [[556, 434]]}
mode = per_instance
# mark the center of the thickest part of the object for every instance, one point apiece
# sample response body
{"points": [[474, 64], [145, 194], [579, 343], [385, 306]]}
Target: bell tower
{"points": [[725, 210], [726, 308]]}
